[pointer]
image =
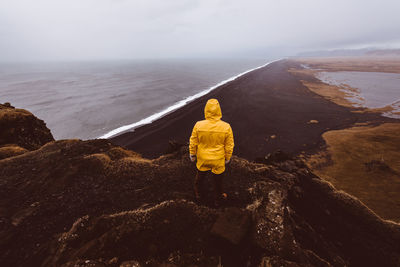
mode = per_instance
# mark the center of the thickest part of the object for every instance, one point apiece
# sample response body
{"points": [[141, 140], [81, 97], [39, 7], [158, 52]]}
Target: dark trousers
{"points": [[199, 184]]}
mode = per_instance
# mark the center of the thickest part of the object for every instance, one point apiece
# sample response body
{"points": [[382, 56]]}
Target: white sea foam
{"points": [[177, 105]]}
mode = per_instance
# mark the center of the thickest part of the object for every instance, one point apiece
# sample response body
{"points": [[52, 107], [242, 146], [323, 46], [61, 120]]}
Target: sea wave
{"points": [[177, 105]]}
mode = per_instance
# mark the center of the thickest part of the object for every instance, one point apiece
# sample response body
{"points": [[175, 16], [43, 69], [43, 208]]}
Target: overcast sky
{"points": [[125, 29]]}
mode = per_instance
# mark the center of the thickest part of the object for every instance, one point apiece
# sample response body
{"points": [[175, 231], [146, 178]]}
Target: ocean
{"points": [[88, 100]]}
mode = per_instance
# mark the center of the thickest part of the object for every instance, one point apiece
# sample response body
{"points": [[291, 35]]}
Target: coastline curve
{"points": [[178, 104]]}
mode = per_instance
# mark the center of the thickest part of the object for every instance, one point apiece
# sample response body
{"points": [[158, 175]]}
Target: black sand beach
{"points": [[266, 102]]}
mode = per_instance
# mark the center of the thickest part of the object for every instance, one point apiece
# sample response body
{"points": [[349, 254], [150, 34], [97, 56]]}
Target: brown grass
{"points": [[331, 92], [336, 94], [10, 114], [11, 151], [343, 164]]}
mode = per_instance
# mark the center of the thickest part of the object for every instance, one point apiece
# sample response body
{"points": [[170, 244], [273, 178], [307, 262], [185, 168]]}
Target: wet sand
{"points": [[267, 102]]}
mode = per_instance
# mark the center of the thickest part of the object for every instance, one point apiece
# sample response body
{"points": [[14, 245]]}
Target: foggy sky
{"points": [[128, 29]]}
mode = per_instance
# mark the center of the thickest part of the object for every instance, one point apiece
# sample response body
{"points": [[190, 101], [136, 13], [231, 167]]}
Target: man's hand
{"points": [[227, 161], [192, 158]]}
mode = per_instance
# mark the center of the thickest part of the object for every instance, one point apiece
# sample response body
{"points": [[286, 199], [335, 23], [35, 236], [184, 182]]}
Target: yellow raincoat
{"points": [[212, 140]]}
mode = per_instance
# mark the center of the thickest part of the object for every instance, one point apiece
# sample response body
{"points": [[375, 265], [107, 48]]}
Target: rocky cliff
{"points": [[90, 203], [20, 131]]}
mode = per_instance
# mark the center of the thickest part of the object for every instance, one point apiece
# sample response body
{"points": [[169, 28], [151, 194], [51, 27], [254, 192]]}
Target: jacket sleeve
{"points": [[193, 141], [229, 144]]}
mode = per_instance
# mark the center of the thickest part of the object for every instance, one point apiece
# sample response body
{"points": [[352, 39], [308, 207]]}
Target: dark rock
{"points": [[84, 263], [158, 231], [288, 166], [174, 146], [275, 157], [232, 224], [130, 264]]}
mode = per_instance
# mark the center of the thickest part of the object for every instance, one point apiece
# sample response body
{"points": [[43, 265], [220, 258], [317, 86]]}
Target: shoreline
{"points": [[271, 103], [345, 94], [176, 105]]}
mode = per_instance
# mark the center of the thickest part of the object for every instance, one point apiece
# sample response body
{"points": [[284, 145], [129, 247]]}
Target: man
{"points": [[212, 144]]}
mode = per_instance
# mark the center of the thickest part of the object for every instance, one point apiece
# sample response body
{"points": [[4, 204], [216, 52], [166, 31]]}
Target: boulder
{"points": [[232, 224]]}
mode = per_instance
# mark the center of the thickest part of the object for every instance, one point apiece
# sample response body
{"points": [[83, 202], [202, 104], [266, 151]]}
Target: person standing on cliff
{"points": [[211, 143]]}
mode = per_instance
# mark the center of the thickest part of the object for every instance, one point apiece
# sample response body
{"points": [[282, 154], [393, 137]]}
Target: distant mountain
{"points": [[384, 52], [351, 52]]}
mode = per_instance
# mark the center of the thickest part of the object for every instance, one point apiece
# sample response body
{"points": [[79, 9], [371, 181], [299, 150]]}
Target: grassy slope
{"points": [[348, 150]]}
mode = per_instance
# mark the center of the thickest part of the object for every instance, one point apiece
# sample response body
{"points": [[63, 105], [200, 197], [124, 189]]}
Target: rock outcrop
{"points": [[90, 203], [20, 128]]}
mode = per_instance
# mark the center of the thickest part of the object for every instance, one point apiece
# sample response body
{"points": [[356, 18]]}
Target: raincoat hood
{"points": [[211, 140], [212, 110]]}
